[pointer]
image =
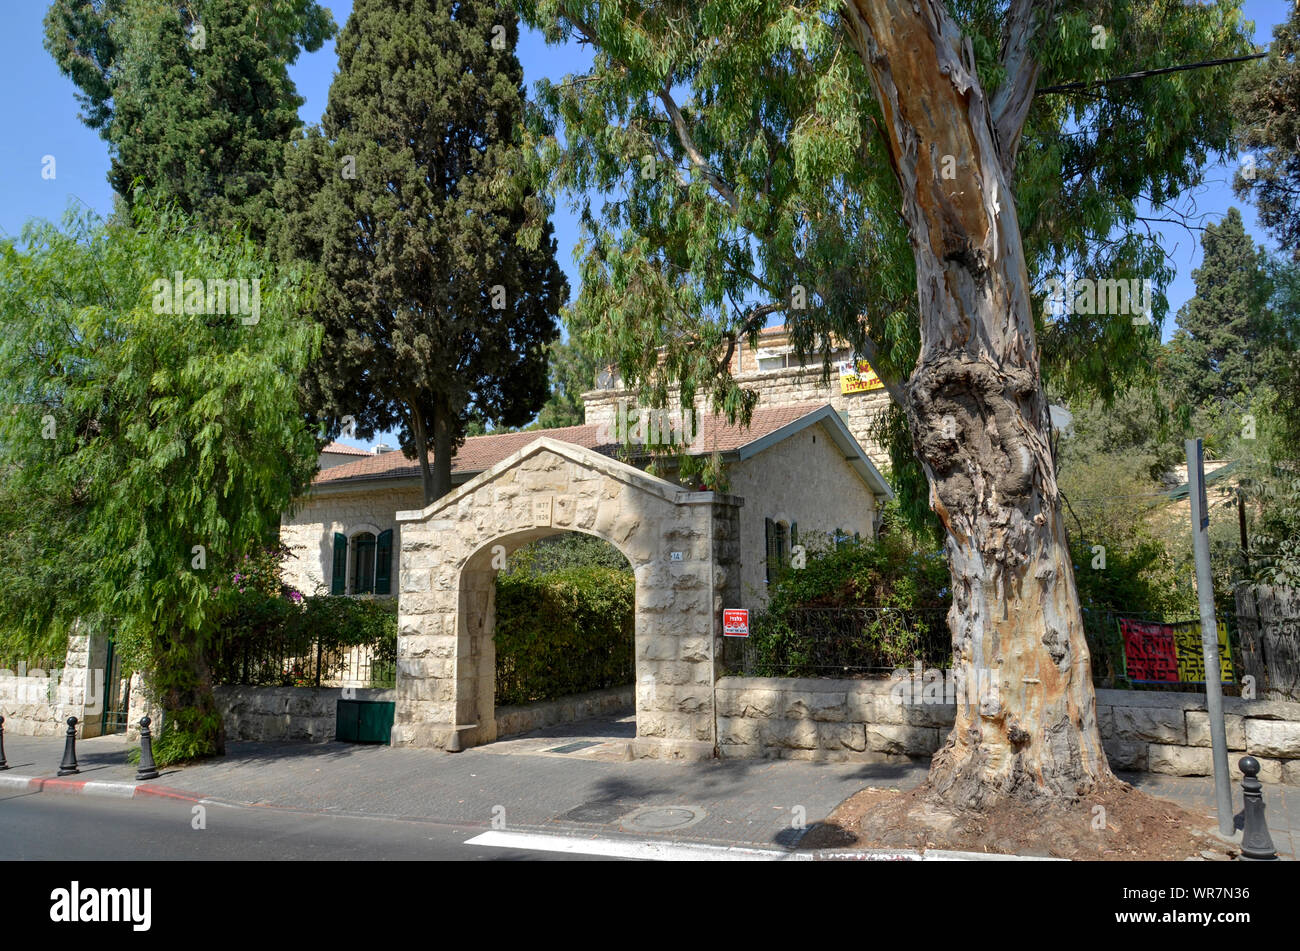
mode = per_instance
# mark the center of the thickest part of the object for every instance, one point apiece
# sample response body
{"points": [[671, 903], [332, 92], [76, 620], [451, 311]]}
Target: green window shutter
{"points": [[384, 563], [769, 527], [339, 583], [794, 534]]}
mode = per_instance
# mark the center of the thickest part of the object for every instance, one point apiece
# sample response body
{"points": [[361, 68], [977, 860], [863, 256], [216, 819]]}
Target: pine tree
{"points": [[1221, 350], [194, 98], [441, 286]]}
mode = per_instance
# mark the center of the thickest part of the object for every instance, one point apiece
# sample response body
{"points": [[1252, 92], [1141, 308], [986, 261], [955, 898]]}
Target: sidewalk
{"points": [[528, 786]]}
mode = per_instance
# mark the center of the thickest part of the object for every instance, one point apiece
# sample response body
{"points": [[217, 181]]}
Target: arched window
{"points": [[363, 563]]}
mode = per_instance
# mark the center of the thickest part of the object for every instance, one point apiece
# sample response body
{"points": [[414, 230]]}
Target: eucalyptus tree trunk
{"points": [[1026, 712]]}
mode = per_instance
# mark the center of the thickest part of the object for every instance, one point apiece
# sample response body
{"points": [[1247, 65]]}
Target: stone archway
{"points": [[684, 550]]}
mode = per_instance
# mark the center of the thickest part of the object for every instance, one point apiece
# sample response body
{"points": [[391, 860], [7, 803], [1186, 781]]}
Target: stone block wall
{"points": [[511, 721], [860, 720], [276, 714], [39, 702]]}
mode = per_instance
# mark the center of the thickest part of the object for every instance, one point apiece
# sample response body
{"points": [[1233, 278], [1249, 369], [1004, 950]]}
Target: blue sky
{"points": [[39, 113]]}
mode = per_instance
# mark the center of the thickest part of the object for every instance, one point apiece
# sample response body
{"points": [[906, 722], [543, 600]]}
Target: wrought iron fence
{"points": [[840, 642], [862, 642], [310, 665]]}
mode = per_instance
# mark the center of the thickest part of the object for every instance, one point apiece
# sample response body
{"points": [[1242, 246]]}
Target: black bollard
{"points": [[1256, 843], [3, 764], [147, 768], [69, 764]]}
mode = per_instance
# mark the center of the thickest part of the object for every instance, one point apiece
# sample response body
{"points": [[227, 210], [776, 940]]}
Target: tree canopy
{"points": [[194, 98], [739, 146], [147, 449], [441, 286]]}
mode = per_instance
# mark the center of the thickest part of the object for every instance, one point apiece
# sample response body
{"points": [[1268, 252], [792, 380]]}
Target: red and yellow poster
{"points": [[858, 377], [1157, 653]]}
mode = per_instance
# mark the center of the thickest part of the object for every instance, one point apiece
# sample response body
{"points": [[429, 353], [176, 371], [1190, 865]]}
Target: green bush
{"points": [[258, 632], [872, 604], [567, 550], [563, 632]]}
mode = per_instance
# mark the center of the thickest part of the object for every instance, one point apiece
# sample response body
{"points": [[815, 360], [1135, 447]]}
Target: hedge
{"points": [[563, 632]]}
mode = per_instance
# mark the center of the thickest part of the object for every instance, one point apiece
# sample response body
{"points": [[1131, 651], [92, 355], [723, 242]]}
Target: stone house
{"points": [[798, 468]]}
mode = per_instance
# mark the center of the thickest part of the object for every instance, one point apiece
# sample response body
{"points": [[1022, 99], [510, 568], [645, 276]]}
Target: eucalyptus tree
{"points": [[904, 176]]}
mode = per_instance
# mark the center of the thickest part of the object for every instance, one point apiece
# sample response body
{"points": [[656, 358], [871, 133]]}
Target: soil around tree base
{"points": [[1130, 825]]}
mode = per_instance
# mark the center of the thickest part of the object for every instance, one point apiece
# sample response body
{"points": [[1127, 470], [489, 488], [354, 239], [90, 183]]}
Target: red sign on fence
{"points": [[735, 622]]}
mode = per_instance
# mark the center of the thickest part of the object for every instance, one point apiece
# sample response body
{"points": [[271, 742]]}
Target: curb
{"points": [[92, 787]]}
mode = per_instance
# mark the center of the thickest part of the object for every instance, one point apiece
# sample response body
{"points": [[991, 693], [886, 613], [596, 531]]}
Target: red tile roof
{"points": [[341, 450], [479, 453]]}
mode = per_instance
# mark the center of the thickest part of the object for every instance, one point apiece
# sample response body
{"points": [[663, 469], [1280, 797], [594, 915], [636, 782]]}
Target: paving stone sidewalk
{"points": [[750, 803]]}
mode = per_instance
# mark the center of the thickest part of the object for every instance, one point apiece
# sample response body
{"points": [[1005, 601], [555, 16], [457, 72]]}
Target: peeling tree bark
{"points": [[1026, 712]]}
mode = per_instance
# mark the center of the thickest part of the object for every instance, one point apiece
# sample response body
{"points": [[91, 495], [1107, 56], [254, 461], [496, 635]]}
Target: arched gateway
{"points": [[684, 550]]}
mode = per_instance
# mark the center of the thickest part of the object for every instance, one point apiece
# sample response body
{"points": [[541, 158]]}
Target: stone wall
{"points": [[511, 721], [860, 720], [276, 714], [804, 480], [39, 702]]}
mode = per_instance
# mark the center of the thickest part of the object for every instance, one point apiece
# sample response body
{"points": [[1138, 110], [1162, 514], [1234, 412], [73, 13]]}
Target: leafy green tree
{"points": [[1222, 349], [762, 152], [1267, 104], [1142, 432], [442, 287], [154, 439], [194, 98], [573, 371]]}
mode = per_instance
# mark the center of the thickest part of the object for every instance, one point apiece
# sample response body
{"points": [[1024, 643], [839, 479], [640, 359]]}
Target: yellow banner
{"points": [[858, 377], [1191, 659]]}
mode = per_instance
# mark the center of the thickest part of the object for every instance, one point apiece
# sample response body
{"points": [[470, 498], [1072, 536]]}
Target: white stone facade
{"points": [[802, 480], [309, 530]]}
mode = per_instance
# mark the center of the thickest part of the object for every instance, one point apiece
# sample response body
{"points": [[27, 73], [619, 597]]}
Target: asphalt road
{"points": [[54, 826]]}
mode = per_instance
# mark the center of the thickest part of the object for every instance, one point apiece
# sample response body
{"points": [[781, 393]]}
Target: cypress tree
{"points": [[440, 283], [1221, 350], [194, 98]]}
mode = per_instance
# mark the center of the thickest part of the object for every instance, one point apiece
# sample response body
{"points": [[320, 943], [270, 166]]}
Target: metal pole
{"points": [[1209, 630]]}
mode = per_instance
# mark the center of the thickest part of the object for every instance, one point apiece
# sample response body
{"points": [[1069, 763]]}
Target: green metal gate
{"points": [[116, 700]]}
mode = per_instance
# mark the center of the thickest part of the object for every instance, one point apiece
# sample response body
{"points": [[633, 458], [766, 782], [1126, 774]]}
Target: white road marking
{"points": [[628, 849]]}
